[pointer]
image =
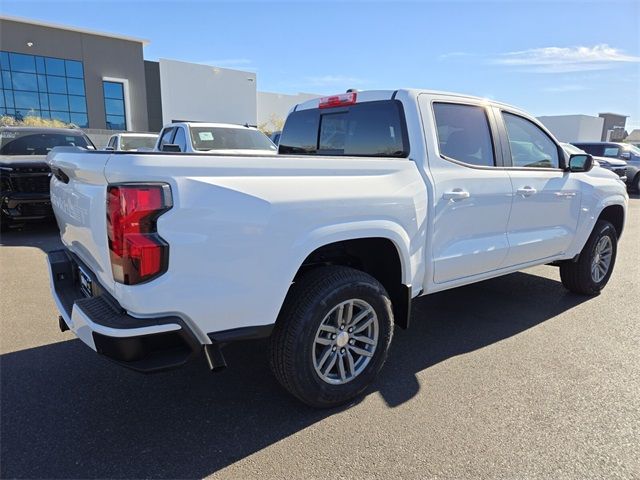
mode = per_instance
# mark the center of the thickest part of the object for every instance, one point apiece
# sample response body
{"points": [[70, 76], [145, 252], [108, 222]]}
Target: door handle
{"points": [[456, 194], [526, 191]]}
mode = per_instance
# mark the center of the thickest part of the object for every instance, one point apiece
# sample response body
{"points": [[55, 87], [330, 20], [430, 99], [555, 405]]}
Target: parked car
{"points": [[375, 199], [619, 167], [132, 141], [24, 172], [623, 151], [200, 137], [275, 137]]}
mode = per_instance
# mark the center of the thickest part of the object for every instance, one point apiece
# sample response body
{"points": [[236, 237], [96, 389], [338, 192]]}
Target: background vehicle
{"points": [[275, 137], [132, 141], [622, 151], [200, 137], [24, 172], [374, 199], [619, 167]]}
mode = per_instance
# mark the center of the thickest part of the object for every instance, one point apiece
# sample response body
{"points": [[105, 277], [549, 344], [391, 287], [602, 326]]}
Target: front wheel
{"points": [[332, 336], [593, 269]]}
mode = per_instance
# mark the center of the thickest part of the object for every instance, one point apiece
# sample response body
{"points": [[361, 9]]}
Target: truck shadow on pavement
{"points": [[67, 413]]}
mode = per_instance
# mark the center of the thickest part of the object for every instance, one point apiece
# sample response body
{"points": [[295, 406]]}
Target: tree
{"points": [[274, 124], [31, 121]]}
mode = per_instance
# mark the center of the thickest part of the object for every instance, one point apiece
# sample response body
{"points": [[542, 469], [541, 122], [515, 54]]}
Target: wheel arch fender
{"points": [[605, 206]]}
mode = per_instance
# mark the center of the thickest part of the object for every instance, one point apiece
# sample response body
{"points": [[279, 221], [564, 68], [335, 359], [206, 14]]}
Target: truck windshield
{"points": [[37, 143], [220, 138], [368, 129], [134, 143]]}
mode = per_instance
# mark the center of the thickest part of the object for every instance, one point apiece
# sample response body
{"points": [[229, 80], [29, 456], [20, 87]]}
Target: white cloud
{"points": [[565, 88], [566, 59], [449, 55]]}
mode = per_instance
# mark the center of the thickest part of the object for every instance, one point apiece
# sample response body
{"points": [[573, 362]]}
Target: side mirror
{"points": [[171, 147], [109, 148], [580, 162], [625, 155]]}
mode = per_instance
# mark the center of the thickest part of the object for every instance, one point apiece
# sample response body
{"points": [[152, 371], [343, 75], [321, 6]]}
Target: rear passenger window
{"points": [[530, 146], [374, 129], [166, 137], [464, 134], [180, 139]]}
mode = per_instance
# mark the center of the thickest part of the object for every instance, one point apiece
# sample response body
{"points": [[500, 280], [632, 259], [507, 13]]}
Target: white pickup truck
{"points": [[374, 199]]}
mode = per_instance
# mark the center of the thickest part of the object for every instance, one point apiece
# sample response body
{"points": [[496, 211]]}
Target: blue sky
{"points": [[546, 57]]}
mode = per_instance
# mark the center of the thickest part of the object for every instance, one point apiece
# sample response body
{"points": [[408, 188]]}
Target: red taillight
{"points": [[137, 252], [338, 100]]}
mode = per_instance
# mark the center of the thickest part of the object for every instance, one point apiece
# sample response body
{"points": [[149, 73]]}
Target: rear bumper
{"points": [[142, 344], [26, 206]]}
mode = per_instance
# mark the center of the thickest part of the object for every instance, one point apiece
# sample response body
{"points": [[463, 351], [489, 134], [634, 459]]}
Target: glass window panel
{"points": [[25, 81], [8, 98], [2, 83], [113, 90], [42, 83], [6, 79], [40, 65], [58, 102], [114, 107], [74, 69], [75, 86], [27, 100], [464, 134], [45, 114], [4, 61], [44, 101], [77, 104], [2, 99], [56, 84], [63, 116], [55, 66], [80, 119], [22, 63], [22, 113], [116, 122], [530, 146]]}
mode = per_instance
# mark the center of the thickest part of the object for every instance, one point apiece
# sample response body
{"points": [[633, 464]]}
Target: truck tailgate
{"points": [[78, 196]]}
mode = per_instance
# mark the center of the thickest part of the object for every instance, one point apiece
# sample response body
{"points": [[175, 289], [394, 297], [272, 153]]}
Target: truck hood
{"points": [[614, 162], [23, 160]]}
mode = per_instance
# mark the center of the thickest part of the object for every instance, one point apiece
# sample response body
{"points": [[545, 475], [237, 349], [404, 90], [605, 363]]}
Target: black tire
{"points": [[636, 183], [309, 301], [576, 276]]}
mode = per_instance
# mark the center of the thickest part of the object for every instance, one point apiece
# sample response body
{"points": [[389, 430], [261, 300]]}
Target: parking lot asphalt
{"points": [[509, 378]]}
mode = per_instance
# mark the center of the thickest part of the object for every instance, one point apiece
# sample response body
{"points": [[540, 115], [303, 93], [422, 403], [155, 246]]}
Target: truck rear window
{"points": [[368, 129]]}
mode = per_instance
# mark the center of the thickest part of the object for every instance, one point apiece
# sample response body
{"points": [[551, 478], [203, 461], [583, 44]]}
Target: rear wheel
{"points": [[332, 336], [636, 183], [593, 269]]}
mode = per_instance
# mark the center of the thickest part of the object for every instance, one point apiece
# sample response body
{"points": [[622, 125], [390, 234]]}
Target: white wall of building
{"points": [[574, 128], [277, 105], [192, 91]]}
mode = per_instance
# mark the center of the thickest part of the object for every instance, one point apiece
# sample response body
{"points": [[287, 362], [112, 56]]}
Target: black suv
{"points": [[624, 151], [24, 172]]}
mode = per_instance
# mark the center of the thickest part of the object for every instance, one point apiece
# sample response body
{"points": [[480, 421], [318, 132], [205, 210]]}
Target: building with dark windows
{"points": [[92, 79], [101, 82]]}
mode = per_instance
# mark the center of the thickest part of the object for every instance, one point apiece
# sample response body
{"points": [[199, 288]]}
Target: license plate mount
{"points": [[86, 284]]}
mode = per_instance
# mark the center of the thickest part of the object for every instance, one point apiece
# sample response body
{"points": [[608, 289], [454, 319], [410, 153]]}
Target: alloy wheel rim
{"points": [[601, 259], [345, 341]]}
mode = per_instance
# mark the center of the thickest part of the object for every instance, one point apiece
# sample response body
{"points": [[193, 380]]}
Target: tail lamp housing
{"points": [[138, 253]]}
